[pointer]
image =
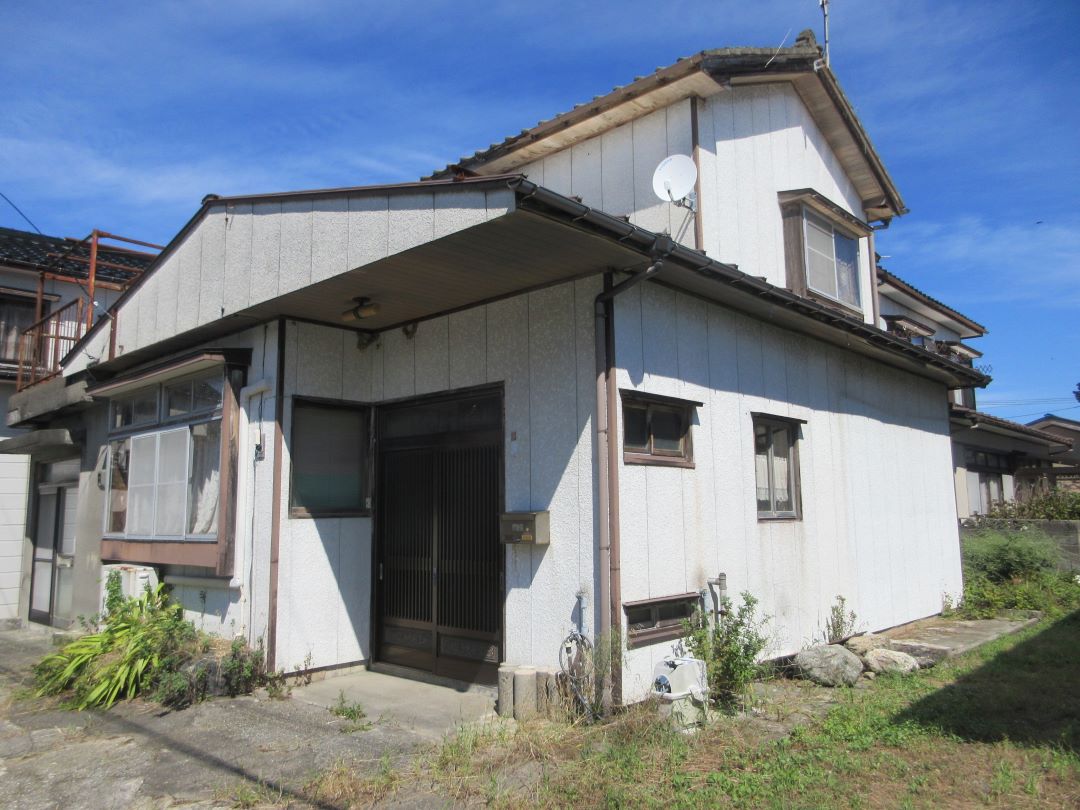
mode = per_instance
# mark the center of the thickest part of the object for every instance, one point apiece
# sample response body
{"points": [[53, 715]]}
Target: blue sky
{"points": [[123, 115]]}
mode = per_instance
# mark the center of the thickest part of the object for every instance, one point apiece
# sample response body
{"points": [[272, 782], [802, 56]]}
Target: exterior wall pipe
{"points": [[609, 561], [275, 509]]}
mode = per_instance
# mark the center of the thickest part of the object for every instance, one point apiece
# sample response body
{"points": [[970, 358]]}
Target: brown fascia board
{"points": [[214, 200], [885, 277]]}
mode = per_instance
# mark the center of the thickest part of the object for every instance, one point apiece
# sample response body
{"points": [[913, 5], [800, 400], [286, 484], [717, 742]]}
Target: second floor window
{"points": [[832, 261]]}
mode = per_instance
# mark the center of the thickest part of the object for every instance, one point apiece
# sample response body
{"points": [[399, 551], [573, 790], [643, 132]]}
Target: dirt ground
{"points": [[223, 752]]}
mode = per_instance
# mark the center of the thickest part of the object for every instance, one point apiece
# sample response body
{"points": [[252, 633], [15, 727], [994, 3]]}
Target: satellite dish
{"points": [[674, 178]]}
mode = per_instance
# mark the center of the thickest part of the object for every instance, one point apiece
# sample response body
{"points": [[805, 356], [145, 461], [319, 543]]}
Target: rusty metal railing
{"points": [[44, 344]]}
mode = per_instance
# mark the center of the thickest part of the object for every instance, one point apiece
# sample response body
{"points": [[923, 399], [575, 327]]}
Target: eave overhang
{"points": [[969, 419], [544, 239]]}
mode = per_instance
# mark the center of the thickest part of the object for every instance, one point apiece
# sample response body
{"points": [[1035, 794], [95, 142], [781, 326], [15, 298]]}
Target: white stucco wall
{"points": [[755, 143], [540, 347], [879, 520]]}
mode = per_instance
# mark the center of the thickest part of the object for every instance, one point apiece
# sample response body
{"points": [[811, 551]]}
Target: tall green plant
{"points": [[730, 647], [139, 641]]}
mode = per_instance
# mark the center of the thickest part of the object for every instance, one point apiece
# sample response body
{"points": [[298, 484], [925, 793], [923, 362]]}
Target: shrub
{"points": [[1056, 504], [1003, 555], [841, 622], [243, 668], [1052, 592], [139, 642], [730, 648]]}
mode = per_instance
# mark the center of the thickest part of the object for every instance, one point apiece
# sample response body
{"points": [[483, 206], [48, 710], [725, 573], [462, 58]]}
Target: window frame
{"points": [[162, 424], [795, 206], [661, 629], [12, 295], [650, 454], [794, 426], [367, 494]]}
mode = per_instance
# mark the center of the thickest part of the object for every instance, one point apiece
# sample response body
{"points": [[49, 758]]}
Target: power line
{"points": [[21, 214], [1037, 413]]}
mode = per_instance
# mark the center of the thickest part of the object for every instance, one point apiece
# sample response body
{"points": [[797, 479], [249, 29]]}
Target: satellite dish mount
{"points": [[674, 180]]}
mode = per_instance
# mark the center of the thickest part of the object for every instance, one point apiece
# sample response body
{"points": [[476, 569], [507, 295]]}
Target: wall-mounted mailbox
{"points": [[525, 528]]}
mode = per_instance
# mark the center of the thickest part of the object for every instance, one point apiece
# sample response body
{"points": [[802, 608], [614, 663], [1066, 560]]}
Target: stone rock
{"points": [[829, 665], [885, 660], [925, 654], [861, 645]]}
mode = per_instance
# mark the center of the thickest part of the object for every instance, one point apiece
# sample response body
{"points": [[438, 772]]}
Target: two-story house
{"points": [[322, 413], [994, 460], [51, 289]]}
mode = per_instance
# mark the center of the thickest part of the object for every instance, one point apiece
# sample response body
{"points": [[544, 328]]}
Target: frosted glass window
{"points": [[142, 483], [329, 450], [775, 468], [204, 488], [172, 482], [832, 261]]}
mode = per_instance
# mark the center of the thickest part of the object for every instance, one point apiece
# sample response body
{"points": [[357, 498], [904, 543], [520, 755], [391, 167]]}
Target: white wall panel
{"points": [[878, 523]]}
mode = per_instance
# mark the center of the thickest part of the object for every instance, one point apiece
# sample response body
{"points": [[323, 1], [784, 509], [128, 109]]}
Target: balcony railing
{"points": [[44, 344]]}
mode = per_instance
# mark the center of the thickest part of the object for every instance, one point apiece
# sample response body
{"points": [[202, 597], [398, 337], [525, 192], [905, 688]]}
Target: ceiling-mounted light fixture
{"points": [[363, 307]]}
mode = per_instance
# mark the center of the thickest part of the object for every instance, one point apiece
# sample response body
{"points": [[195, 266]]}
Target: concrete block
{"points": [[525, 693], [543, 703], [506, 690]]}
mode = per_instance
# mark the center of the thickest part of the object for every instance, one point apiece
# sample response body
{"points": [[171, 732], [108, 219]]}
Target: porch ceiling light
{"points": [[363, 307]]}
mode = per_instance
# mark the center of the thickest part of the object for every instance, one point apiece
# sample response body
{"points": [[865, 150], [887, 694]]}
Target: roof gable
{"points": [[704, 74]]}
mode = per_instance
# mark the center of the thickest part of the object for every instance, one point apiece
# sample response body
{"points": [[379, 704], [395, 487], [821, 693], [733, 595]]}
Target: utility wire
{"points": [[1037, 413], [21, 214]]}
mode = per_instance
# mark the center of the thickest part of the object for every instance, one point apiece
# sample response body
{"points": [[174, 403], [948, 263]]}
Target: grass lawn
{"points": [[997, 727]]}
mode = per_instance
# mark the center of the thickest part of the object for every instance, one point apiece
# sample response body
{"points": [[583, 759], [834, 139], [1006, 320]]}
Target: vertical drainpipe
{"points": [[275, 525], [875, 303], [609, 562]]}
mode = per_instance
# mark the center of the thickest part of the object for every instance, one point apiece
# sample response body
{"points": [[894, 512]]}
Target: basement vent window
{"points": [[330, 459], [651, 621], [656, 429]]}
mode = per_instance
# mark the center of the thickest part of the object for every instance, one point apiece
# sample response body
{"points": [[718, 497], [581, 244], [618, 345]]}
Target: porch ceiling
{"points": [[520, 251]]}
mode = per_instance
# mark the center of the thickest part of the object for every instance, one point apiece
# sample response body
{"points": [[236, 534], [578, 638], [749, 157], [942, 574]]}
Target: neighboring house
{"points": [[1065, 472], [45, 282], [311, 414], [994, 459]]}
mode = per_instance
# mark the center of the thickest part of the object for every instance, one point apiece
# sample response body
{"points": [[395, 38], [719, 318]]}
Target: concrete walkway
{"points": [[939, 638], [424, 709]]}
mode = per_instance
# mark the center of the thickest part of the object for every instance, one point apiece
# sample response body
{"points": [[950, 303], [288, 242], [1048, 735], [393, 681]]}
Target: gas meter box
{"points": [[525, 528]]}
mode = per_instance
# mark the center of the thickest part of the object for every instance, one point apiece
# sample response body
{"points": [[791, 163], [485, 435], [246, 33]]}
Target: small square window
{"points": [[656, 430], [776, 467]]}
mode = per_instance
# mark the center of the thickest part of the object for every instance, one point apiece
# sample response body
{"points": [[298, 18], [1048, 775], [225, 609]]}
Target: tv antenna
{"points": [[825, 13], [674, 179]]}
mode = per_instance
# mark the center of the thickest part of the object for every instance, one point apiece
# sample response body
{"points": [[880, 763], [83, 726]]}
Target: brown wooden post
{"points": [[92, 277]]}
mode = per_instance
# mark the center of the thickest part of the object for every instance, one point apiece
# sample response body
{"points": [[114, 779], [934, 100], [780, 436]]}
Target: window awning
{"points": [[177, 367]]}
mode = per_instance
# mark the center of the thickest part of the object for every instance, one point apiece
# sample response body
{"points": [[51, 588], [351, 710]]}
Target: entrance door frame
{"points": [[62, 489], [499, 389]]}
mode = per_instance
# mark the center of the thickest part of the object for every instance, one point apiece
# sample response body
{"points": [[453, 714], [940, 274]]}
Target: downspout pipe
{"points": [[609, 556]]}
